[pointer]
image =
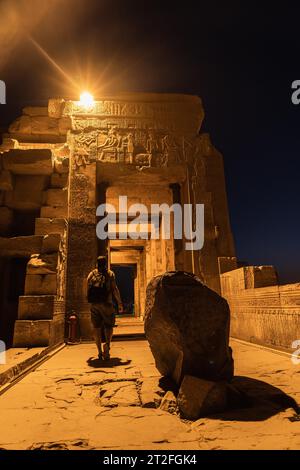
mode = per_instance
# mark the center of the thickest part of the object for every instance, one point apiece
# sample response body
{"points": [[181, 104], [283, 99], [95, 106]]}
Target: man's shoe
{"points": [[106, 352]]}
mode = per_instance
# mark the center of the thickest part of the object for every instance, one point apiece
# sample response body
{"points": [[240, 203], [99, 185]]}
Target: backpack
{"points": [[98, 293]]}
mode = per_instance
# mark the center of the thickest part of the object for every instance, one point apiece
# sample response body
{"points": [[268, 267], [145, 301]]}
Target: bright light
{"points": [[86, 99]]}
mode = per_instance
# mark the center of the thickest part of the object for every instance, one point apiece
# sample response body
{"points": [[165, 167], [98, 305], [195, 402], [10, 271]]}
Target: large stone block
{"points": [[35, 111], [45, 226], [36, 284], [38, 332], [56, 107], [22, 125], [56, 197], [64, 125], [36, 307], [51, 212], [198, 397], [44, 125], [6, 181], [187, 326], [51, 243], [21, 246], [28, 162], [42, 264], [27, 193]]}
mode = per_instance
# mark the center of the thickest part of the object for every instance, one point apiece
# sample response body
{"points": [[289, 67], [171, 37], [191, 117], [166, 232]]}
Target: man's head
{"points": [[102, 263]]}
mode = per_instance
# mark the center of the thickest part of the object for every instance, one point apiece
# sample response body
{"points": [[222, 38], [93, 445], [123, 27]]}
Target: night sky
{"points": [[240, 57]]}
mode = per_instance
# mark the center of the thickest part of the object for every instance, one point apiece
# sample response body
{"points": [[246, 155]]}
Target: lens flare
{"points": [[86, 99]]}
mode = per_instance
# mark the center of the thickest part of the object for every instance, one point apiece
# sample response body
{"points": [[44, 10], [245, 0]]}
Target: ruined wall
{"points": [[262, 311]]}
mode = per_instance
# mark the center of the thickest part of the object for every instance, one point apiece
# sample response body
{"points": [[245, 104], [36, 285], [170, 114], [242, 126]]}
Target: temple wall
{"points": [[262, 311]]}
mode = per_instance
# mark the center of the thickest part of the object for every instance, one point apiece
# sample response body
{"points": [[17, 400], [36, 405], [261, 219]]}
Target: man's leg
{"points": [[97, 337], [108, 337]]}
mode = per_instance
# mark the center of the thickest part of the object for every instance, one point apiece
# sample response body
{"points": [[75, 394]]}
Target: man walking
{"points": [[102, 288]]}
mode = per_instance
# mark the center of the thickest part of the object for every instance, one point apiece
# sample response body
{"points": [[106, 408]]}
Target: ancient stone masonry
{"points": [[58, 163]]}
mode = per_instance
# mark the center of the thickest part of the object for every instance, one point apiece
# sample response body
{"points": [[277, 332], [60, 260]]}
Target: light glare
{"points": [[86, 99]]}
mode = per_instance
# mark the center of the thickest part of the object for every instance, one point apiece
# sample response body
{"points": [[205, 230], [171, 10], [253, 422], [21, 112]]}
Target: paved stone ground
{"points": [[73, 401]]}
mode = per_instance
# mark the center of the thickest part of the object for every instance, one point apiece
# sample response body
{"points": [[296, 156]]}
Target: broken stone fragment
{"points": [[198, 398], [151, 392], [6, 181], [169, 403], [42, 264], [187, 326]]}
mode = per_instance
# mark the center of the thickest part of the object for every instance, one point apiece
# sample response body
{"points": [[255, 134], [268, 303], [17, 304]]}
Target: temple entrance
{"points": [[125, 275], [13, 272]]}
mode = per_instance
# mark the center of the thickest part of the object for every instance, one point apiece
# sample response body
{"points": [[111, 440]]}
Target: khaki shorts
{"points": [[103, 315]]}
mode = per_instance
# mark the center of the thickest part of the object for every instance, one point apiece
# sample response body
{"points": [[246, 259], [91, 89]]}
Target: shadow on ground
{"points": [[255, 400], [112, 362]]}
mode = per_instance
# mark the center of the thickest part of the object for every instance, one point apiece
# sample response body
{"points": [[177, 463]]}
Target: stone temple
{"points": [[59, 163]]}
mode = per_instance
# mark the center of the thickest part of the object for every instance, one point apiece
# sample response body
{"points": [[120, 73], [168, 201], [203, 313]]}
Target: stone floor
{"points": [[73, 401]]}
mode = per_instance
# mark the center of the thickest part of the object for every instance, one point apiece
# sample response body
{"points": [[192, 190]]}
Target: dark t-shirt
{"points": [[97, 279]]}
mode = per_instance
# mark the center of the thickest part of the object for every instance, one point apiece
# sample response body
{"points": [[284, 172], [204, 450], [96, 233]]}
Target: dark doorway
{"points": [[125, 274], [13, 272]]}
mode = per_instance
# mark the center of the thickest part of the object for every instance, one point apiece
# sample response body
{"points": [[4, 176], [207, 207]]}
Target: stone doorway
{"points": [[13, 272], [125, 279]]}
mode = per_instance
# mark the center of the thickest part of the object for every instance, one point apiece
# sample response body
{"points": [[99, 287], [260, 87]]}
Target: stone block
{"points": [[151, 392], [6, 220], [21, 246], [169, 403], [44, 125], [51, 212], [56, 107], [198, 398], [51, 243], [56, 197], [36, 284], [6, 181], [42, 264], [64, 125], [46, 226], [38, 333], [59, 180], [22, 125], [260, 276], [27, 193], [9, 144], [28, 162], [226, 264], [35, 111], [36, 307]]}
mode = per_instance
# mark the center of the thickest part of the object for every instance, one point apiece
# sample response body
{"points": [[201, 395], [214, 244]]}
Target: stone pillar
{"points": [[82, 240]]}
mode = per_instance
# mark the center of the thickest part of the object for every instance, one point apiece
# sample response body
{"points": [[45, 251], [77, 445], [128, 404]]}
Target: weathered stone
{"points": [[198, 397], [21, 125], [9, 144], [6, 220], [6, 181], [21, 246], [38, 333], [36, 284], [61, 165], [119, 393], [36, 307], [64, 125], [51, 243], [27, 193], [50, 212], [56, 107], [59, 180], [28, 162], [187, 326], [42, 264], [56, 197], [46, 226], [35, 111], [44, 125], [169, 403], [151, 392]]}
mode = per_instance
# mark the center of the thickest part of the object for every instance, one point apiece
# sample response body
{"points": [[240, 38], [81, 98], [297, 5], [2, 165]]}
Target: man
{"points": [[102, 287]]}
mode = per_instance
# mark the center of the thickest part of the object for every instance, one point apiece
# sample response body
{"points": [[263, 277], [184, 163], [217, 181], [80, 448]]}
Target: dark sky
{"points": [[240, 57]]}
